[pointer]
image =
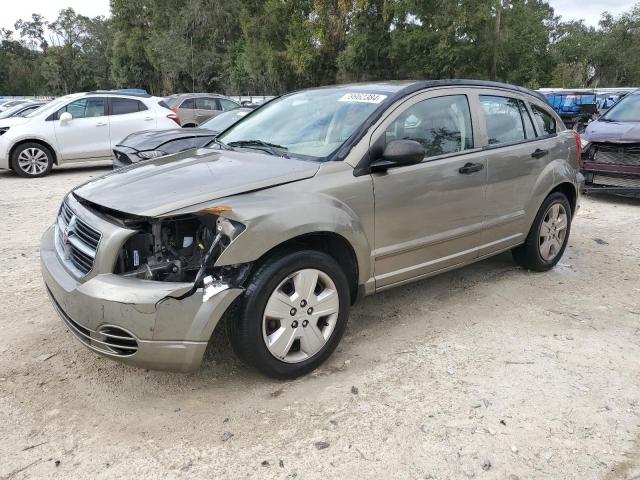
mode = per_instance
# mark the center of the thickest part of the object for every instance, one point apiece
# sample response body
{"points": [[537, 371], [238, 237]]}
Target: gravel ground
{"points": [[488, 372]]}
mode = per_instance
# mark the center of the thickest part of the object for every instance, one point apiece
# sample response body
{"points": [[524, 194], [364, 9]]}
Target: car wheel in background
{"points": [[32, 160], [548, 236], [292, 315]]}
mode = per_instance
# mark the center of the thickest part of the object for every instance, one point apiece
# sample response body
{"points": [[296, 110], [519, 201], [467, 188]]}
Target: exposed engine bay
{"points": [[181, 249]]}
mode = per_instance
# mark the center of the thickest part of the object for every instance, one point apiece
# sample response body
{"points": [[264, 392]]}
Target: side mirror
{"points": [[65, 117], [399, 153]]}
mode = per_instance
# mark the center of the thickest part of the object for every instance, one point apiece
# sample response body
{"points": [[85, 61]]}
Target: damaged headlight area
{"points": [[181, 249]]}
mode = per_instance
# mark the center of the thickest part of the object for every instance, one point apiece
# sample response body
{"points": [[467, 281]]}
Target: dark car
{"points": [[612, 149], [573, 106], [158, 143]]}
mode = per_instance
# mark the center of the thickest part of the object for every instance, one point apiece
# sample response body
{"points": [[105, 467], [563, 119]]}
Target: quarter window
{"points": [[442, 125], [227, 104], [206, 103], [545, 121]]}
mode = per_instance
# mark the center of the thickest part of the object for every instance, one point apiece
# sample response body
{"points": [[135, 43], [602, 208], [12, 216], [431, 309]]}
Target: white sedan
{"points": [[78, 127]]}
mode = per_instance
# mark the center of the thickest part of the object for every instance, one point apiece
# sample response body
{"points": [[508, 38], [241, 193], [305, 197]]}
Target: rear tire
{"points": [[275, 327], [548, 237], [32, 160]]}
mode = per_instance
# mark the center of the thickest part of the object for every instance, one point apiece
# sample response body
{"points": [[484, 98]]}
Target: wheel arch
{"points": [[570, 191], [15, 146], [331, 243]]}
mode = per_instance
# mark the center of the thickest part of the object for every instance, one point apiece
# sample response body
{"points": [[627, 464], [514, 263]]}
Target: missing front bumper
{"points": [[161, 331]]}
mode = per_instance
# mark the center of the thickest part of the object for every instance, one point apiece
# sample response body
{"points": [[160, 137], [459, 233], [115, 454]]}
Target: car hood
{"points": [[149, 139], [158, 187], [615, 132]]}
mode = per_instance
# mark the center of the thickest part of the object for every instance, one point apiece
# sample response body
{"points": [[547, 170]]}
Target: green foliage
{"points": [[273, 46]]}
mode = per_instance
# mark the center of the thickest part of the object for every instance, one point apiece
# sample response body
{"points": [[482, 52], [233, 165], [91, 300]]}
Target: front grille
{"points": [[76, 241], [615, 154], [108, 339], [629, 182]]}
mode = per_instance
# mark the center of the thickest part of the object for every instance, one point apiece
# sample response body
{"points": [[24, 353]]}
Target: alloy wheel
{"points": [[300, 315], [553, 231], [33, 161]]}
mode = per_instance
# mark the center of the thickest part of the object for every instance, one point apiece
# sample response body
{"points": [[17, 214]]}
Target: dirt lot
{"points": [[487, 372]]}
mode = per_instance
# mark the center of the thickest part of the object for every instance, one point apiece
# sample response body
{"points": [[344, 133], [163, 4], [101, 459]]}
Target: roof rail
{"points": [[112, 92]]}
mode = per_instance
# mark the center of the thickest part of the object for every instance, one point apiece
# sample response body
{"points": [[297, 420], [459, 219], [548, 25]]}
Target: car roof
{"points": [[401, 88]]}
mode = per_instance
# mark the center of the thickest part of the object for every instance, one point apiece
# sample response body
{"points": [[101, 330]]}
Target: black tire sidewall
{"points": [[16, 153], [247, 337]]}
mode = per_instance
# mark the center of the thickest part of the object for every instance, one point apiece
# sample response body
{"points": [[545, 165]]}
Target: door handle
{"points": [[470, 168], [101, 124], [147, 119], [540, 153]]}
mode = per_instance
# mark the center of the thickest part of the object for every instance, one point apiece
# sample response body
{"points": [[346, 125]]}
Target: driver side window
{"points": [[442, 125], [85, 108]]}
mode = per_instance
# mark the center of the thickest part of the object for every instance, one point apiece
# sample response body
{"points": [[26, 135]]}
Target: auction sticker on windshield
{"points": [[362, 97]]}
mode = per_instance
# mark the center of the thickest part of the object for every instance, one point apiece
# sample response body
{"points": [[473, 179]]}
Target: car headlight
{"points": [[151, 154], [3, 130]]}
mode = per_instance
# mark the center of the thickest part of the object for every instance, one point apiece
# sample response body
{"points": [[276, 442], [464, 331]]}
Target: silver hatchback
{"points": [[300, 209]]}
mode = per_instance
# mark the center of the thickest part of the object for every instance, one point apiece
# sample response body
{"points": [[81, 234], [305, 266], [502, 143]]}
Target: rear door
{"points": [[86, 135], [517, 154], [127, 116], [206, 108], [429, 216]]}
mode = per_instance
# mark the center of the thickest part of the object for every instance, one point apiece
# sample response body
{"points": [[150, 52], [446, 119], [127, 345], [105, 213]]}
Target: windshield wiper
{"points": [[220, 143], [269, 147]]}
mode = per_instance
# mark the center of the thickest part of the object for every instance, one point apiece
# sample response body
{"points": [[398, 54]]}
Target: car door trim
{"points": [[424, 265], [417, 244]]}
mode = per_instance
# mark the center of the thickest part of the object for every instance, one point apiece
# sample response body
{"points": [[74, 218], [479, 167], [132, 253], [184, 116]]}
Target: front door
{"points": [[429, 216], [86, 135]]}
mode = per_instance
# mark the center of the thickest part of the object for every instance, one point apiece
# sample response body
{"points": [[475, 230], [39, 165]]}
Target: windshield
{"points": [[312, 124], [9, 112], [626, 110], [49, 107], [224, 120]]}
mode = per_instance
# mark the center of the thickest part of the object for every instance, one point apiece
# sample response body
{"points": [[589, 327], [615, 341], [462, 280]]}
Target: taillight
{"points": [[174, 117], [579, 147]]}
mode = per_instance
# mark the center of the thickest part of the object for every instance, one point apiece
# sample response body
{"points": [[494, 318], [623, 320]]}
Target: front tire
{"points": [[32, 160], [292, 314], [548, 237]]}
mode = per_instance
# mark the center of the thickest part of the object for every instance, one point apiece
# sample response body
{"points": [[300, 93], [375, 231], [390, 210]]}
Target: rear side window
{"points": [[442, 125], [122, 106], [503, 118], [546, 123], [206, 103], [188, 103]]}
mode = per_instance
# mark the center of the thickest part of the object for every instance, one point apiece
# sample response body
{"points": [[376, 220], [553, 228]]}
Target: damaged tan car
{"points": [[307, 204]]}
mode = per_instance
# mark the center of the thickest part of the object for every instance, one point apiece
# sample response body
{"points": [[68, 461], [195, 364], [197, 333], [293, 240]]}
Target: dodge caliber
{"points": [[317, 199]]}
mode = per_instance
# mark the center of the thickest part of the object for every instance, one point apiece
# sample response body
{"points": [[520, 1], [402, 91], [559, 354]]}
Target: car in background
{"points": [[193, 109], [573, 106], [611, 159], [77, 127], [158, 143], [22, 109], [12, 103]]}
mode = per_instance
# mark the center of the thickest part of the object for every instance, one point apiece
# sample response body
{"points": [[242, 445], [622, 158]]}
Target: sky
{"points": [[12, 10]]}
